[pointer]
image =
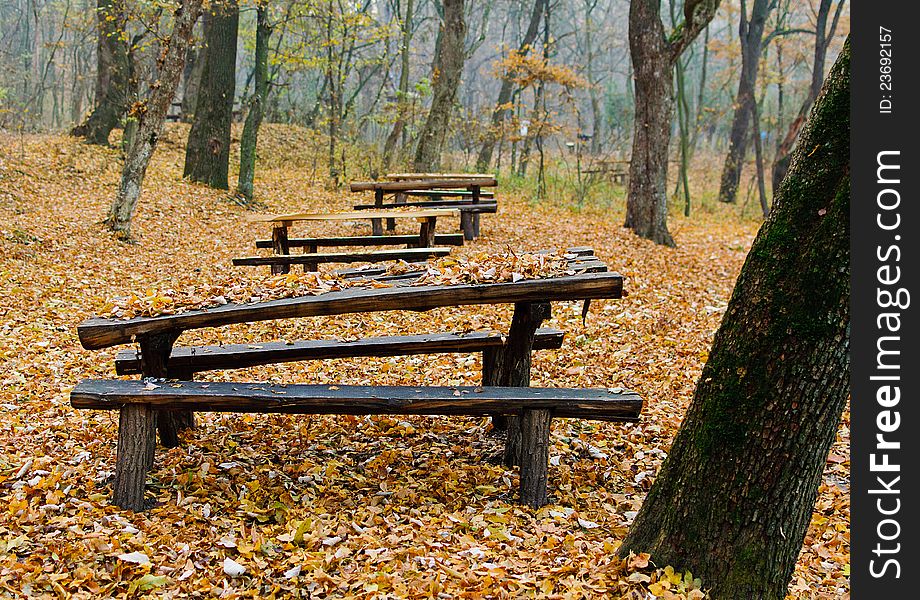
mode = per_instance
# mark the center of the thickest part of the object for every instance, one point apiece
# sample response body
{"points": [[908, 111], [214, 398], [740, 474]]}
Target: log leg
{"points": [[475, 216], [426, 232], [489, 358], [312, 266], [534, 430], [476, 225], [466, 224], [280, 246], [400, 199], [155, 351], [512, 366], [136, 441], [377, 224]]}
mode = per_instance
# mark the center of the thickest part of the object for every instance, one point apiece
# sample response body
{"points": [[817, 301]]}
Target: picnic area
{"points": [[354, 501]]}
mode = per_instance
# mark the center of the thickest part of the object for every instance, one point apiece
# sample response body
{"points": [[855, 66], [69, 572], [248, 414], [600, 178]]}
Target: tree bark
{"points": [[250, 137], [653, 57], [734, 498], [448, 68], [207, 154], [502, 108], [150, 119], [112, 74], [751, 34]]}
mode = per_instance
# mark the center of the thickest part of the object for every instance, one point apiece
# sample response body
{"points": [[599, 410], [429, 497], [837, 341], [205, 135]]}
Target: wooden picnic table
{"points": [[427, 219], [422, 176], [168, 406]]}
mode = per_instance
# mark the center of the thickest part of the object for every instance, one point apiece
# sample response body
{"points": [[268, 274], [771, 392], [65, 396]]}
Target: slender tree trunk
{"points": [[250, 137], [191, 83], [653, 58], [402, 100], [448, 68], [751, 34], [112, 74], [734, 498], [207, 155], [823, 37], [151, 118], [502, 108]]}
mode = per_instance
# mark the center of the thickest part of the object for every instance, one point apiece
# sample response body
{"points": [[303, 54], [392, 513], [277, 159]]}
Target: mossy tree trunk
{"points": [[207, 154], [734, 498], [250, 137], [113, 73], [150, 118], [448, 68], [654, 55]]}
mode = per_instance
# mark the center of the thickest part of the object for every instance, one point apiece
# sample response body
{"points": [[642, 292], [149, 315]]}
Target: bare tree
{"points": [[653, 57], [151, 114]]}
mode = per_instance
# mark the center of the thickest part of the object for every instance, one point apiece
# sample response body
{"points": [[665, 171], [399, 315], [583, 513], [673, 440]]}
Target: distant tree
{"points": [[823, 38], [750, 32], [654, 55], [113, 71], [448, 66], [503, 105], [207, 154], [257, 103], [151, 114], [735, 495], [402, 95]]}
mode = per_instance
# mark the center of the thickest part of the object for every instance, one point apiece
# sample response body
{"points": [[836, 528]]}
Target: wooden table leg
{"points": [[426, 232], [400, 199], [136, 441], [475, 219], [377, 224], [309, 267], [466, 224], [280, 245], [535, 427], [155, 351]]}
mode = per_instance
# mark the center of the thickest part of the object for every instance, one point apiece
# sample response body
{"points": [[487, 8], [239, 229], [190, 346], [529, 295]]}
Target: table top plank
{"points": [[356, 215], [421, 184], [101, 332], [403, 176]]}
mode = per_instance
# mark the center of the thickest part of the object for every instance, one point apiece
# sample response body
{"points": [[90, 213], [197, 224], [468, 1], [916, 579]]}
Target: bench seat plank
{"points": [[596, 404], [441, 239], [422, 184], [194, 359], [406, 254], [461, 205]]}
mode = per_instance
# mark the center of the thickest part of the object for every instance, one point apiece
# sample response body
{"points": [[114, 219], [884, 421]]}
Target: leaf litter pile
{"points": [[338, 506]]}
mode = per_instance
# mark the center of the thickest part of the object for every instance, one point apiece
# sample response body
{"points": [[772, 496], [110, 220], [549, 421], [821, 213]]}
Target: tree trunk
{"points": [[207, 155], [501, 110], [191, 83], [112, 74], [448, 68], [150, 119], [734, 498], [751, 34], [653, 57], [250, 136], [402, 100]]}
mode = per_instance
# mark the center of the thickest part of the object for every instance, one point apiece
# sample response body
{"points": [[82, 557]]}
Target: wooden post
{"points": [[426, 232], [489, 358], [377, 224], [512, 367], [466, 224], [136, 441], [400, 199], [534, 428], [311, 266], [476, 193], [155, 351], [280, 245]]}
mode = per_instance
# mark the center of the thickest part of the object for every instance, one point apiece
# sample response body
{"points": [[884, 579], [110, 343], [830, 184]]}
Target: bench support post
{"points": [[489, 362], [377, 224], [280, 246], [136, 441], [512, 364], [534, 428], [466, 224], [476, 195], [155, 351], [426, 232]]}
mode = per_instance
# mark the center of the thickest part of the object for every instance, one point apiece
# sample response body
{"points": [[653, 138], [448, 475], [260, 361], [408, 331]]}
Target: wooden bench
{"points": [[167, 407], [311, 260], [410, 241], [137, 401], [469, 217]]}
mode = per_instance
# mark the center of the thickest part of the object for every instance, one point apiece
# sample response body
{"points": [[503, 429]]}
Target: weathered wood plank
{"points": [[355, 215], [461, 205], [99, 332], [402, 176], [595, 404], [342, 257], [440, 239], [447, 193], [194, 359], [421, 184]]}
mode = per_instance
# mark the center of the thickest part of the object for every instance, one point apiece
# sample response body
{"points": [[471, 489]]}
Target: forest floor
{"points": [[338, 506]]}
